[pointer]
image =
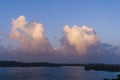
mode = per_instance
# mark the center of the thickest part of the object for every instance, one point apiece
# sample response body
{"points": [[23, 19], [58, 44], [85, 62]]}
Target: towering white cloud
{"points": [[30, 37], [79, 38], [78, 44]]}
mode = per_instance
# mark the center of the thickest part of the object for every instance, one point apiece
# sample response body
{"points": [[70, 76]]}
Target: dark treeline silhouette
{"points": [[100, 67], [103, 67], [39, 64]]}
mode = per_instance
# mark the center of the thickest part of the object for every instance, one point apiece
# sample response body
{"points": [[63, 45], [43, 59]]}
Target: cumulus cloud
{"points": [[78, 44], [30, 36], [79, 39]]}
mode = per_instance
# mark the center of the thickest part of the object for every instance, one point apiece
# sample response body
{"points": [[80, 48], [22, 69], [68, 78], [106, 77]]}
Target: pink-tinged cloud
{"points": [[78, 44], [78, 39], [30, 36]]}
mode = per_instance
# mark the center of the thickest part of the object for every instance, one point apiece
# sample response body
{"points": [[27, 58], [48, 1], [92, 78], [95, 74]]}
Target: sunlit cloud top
{"points": [[77, 44]]}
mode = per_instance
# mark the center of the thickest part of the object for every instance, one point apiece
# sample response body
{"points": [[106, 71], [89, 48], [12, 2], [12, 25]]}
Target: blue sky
{"points": [[102, 15]]}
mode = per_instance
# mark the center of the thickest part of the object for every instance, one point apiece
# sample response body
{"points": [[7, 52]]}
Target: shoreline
{"points": [[93, 66]]}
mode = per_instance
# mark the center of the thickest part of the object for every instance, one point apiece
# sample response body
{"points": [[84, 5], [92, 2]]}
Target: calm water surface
{"points": [[53, 73]]}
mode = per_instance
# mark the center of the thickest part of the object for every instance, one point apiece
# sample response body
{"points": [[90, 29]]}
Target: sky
{"points": [[60, 30], [101, 15]]}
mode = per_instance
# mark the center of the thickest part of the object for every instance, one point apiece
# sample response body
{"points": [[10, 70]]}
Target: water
{"points": [[53, 73]]}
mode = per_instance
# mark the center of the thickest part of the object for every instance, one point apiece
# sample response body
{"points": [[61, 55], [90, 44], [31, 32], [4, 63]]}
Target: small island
{"points": [[103, 67]]}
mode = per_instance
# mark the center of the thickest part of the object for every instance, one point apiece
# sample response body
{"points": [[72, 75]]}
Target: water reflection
{"points": [[56, 73]]}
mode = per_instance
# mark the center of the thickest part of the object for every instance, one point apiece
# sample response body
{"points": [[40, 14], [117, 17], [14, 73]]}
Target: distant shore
{"points": [[100, 67], [35, 64], [103, 67]]}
